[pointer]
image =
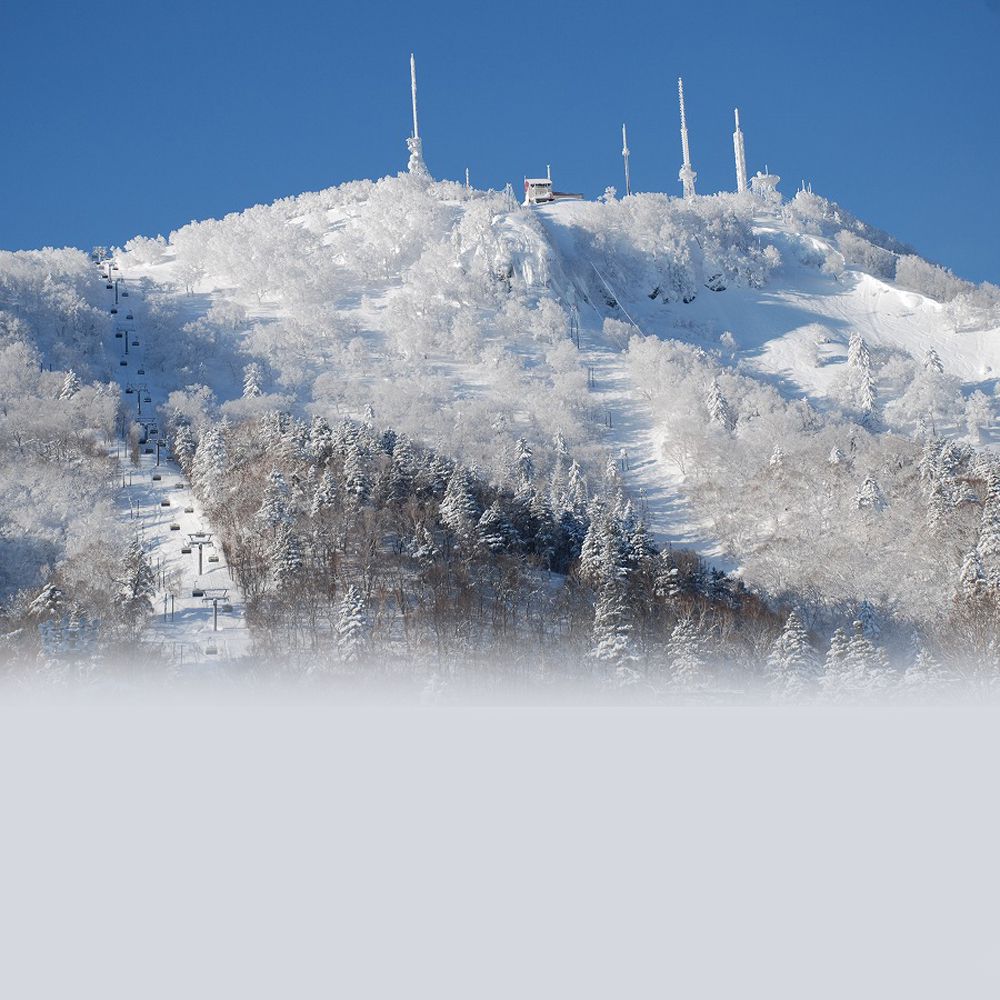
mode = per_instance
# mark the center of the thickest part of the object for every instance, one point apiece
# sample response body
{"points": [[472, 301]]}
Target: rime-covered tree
{"points": [[274, 508], [792, 666], [612, 633], [686, 655], [325, 496], [459, 511], [184, 446], [253, 381], [719, 410], [209, 467], [70, 386], [524, 465], [136, 587], [493, 530], [870, 496], [286, 557], [351, 626]]}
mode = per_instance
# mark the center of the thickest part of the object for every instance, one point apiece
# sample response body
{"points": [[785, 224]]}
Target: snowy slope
{"points": [[792, 333]]}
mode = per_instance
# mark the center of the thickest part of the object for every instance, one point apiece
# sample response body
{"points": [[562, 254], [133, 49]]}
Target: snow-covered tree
{"points": [[70, 386], [253, 381], [136, 587], [459, 511], [686, 655], [719, 410], [792, 665], [352, 625], [274, 508], [286, 557], [870, 496]]}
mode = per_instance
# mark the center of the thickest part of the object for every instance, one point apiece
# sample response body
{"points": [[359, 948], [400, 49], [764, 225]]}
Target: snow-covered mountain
{"points": [[772, 384]]}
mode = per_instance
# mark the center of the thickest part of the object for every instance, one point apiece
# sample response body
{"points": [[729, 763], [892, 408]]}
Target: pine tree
{"points": [[320, 440], [274, 508], [932, 362], [666, 582], [459, 511], [612, 633], [422, 548], [870, 496], [351, 626], [286, 557], [719, 410], [209, 467], [136, 587], [49, 603], [686, 655], [493, 530], [325, 496], [184, 446], [792, 665], [836, 681], [70, 386], [858, 355], [253, 380], [525, 465], [356, 487], [576, 487], [972, 585]]}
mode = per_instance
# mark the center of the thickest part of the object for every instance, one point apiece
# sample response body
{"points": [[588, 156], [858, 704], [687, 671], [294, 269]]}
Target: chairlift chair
{"points": [[128, 315], [114, 310], [189, 510], [213, 558], [123, 363], [185, 550], [146, 399], [118, 335], [135, 343], [142, 371], [175, 527], [147, 451], [226, 607], [129, 391], [109, 285], [156, 477], [164, 503], [124, 293], [197, 593], [211, 650]]}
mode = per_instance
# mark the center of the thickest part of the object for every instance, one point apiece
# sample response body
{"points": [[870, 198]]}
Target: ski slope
{"points": [[199, 612]]}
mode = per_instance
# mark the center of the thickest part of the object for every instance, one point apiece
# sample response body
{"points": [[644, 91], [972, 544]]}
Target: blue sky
{"points": [[138, 117]]}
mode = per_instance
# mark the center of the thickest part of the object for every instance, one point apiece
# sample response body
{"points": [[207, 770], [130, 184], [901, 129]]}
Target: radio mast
{"points": [[741, 156], [413, 144], [687, 175], [625, 156]]}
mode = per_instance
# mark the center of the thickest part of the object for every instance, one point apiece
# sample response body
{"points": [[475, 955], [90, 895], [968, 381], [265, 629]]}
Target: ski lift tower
{"points": [[687, 176]]}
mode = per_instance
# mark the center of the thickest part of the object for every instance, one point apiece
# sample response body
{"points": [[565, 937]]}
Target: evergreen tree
{"points": [[525, 465], [870, 496], [686, 655], [320, 446], [286, 558], [493, 530], [136, 587], [356, 487], [719, 410], [351, 626], [422, 547], [184, 446], [209, 467], [792, 666], [459, 511], [972, 585], [325, 496], [932, 362], [70, 386], [274, 507], [612, 634], [253, 380]]}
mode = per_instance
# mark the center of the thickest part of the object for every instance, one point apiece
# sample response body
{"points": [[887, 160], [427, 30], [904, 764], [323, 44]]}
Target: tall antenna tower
{"points": [[741, 156], [625, 156], [687, 175], [413, 144]]}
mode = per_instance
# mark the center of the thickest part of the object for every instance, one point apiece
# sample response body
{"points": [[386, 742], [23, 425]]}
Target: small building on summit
{"points": [[538, 190]]}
